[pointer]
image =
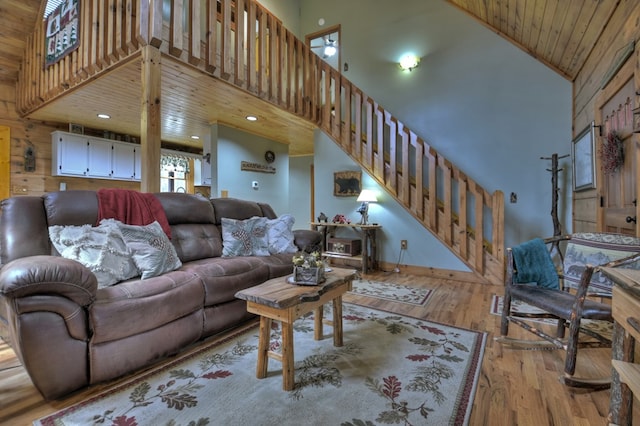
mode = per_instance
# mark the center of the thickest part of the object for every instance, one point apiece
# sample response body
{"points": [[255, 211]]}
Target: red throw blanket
{"points": [[131, 207]]}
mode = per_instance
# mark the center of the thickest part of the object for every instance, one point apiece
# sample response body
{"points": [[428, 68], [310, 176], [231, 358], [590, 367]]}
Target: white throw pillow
{"points": [[152, 251], [244, 237], [101, 249], [280, 234]]}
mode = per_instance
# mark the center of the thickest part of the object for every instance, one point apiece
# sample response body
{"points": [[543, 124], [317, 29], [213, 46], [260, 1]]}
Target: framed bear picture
{"points": [[347, 183]]}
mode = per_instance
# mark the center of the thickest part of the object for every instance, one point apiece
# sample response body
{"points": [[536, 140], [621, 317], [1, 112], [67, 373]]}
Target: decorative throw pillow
{"points": [[245, 237], [101, 249], [152, 251], [280, 234]]}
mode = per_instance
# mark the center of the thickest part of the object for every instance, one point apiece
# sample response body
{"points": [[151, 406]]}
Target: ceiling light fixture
{"points": [[330, 48], [251, 118], [195, 137], [409, 61], [105, 116]]}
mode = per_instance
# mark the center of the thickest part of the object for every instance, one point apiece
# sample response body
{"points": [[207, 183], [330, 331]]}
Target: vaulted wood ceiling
{"points": [[559, 33]]}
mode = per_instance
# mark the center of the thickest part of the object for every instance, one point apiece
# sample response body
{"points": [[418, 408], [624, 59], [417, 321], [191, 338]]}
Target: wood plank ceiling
{"points": [[559, 33]]}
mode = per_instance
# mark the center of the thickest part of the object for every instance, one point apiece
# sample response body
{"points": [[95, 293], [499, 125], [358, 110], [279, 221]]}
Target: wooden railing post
{"points": [[150, 129]]}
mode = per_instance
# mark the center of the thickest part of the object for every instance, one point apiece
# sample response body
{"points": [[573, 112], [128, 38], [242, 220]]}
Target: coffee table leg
{"points": [[263, 347], [337, 321], [288, 373], [318, 323]]}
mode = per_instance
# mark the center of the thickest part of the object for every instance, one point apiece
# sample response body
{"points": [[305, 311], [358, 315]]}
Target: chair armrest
{"points": [[307, 240], [48, 275]]}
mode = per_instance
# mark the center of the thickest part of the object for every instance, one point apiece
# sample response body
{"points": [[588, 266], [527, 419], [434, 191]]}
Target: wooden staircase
{"points": [[260, 56]]}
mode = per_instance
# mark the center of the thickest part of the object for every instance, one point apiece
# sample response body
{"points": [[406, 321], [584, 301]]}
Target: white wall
{"points": [[234, 146], [300, 190], [483, 103]]}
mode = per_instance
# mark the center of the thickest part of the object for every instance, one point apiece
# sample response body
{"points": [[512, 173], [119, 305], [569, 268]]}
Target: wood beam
{"points": [[150, 126]]}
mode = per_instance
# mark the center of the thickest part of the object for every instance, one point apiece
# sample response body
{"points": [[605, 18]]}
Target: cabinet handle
{"points": [[634, 323]]}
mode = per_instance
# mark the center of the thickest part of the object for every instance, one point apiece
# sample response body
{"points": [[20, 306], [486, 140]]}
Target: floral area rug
{"points": [[392, 292], [392, 369], [603, 327]]}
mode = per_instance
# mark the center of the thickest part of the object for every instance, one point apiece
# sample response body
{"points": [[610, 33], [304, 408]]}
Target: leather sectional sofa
{"points": [[69, 334]]}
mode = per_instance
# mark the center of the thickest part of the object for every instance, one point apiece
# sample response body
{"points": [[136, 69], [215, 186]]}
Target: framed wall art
{"points": [[347, 183], [584, 160]]}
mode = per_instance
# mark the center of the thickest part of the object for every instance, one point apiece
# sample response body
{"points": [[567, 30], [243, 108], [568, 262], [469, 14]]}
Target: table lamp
{"points": [[366, 196]]}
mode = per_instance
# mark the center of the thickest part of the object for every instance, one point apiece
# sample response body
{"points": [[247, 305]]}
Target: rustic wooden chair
{"points": [[569, 291]]}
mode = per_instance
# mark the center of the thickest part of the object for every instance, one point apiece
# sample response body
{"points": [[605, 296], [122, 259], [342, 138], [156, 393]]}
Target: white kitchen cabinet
{"points": [[125, 161], [70, 154], [99, 158], [91, 157]]}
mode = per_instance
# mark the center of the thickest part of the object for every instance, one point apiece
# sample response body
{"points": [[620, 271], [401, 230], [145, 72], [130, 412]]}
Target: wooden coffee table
{"points": [[282, 301]]}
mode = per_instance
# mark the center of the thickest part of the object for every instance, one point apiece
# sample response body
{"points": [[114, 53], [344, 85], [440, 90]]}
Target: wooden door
{"points": [[618, 197], [5, 162]]}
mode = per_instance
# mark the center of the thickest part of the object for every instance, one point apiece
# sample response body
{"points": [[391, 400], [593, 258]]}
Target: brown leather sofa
{"points": [[69, 334]]}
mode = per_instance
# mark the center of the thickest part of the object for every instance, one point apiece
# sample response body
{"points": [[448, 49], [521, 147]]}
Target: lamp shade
{"points": [[367, 195]]}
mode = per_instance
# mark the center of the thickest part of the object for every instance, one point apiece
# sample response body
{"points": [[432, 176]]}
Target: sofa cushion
{"points": [[102, 249], [224, 276], [138, 306], [150, 247], [194, 241], [245, 237], [280, 234], [233, 208]]}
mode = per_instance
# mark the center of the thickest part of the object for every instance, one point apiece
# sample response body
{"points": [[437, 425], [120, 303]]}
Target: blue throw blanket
{"points": [[534, 265]]}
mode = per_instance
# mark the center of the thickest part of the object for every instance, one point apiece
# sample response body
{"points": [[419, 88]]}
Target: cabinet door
{"points": [[137, 164], [99, 158], [73, 155], [123, 164]]}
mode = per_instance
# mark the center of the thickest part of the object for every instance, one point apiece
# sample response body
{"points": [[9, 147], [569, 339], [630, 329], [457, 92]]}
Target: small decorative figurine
{"points": [[340, 218], [323, 217]]}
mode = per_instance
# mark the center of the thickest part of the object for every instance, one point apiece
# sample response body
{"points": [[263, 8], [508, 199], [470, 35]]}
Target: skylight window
{"points": [[51, 6]]}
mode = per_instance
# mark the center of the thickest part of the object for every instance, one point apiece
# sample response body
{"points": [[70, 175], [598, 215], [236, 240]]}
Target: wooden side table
{"points": [[626, 330], [279, 300], [367, 234]]}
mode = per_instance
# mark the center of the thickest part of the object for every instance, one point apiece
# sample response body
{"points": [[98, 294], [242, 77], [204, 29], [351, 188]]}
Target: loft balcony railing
{"points": [[244, 44]]}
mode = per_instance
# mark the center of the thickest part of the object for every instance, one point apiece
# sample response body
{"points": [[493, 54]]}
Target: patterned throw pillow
{"points": [[152, 251], [245, 237], [101, 249], [280, 234]]}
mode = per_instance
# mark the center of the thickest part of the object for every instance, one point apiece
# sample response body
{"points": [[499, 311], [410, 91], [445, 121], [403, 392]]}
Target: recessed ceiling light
{"points": [[105, 116], [252, 118], [195, 137]]}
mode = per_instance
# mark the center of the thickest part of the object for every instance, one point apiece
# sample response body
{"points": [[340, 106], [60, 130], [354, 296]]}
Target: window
{"points": [[51, 6], [174, 172]]}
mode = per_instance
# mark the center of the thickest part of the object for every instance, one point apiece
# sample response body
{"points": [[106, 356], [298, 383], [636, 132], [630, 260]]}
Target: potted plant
{"points": [[308, 269]]}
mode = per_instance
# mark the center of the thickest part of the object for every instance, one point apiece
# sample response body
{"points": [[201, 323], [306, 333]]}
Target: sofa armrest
{"points": [[52, 275], [307, 240]]}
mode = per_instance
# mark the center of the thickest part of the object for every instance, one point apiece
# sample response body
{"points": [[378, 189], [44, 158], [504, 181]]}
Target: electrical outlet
{"points": [[403, 244]]}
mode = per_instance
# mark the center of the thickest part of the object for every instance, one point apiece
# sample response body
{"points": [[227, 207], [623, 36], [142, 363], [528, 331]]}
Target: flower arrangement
{"points": [[611, 153], [308, 269], [308, 260]]}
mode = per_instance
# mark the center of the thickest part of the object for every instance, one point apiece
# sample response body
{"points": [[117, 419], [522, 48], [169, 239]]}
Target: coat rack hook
{"points": [[599, 127]]}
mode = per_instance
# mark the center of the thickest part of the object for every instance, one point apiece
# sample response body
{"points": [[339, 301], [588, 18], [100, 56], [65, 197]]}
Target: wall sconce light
{"points": [[366, 196], [29, 160], [409, 61]]}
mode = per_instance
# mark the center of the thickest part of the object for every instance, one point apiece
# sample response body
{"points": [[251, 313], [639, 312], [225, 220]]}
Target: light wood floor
{"points": [[516, 387]]}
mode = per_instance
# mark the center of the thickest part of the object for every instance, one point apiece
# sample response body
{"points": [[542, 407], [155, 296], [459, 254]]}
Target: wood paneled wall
{"points": [[37, 135], [623, 27]]}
